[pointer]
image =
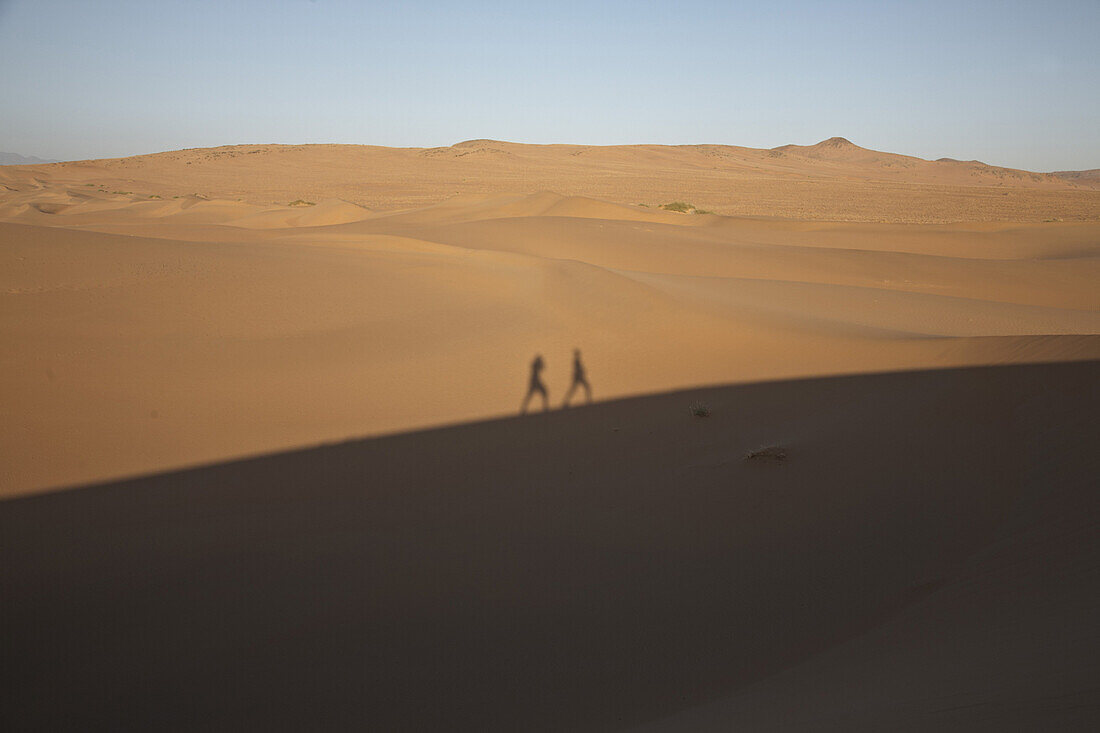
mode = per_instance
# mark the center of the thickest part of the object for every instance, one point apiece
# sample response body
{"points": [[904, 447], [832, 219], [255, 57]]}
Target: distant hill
{"points": [[832, 180], [1092, 175], [17, 159]]}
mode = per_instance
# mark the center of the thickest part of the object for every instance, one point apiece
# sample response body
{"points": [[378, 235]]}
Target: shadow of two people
{"points": [[580, 379]]}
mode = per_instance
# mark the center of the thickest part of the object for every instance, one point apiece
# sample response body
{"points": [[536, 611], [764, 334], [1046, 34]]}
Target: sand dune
{"points": [[545, 203], [325, 213], [922, 554], [200, 330]]}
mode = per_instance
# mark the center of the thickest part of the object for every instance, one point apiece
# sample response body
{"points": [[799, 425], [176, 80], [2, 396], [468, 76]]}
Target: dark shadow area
{"points": [[587, 570]]}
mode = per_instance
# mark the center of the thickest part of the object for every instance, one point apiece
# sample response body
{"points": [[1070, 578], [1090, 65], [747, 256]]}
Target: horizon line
{"points": [[832, 139]]}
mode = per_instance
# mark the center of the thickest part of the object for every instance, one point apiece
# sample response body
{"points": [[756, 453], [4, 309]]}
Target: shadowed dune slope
{"points": [[925, 557]]}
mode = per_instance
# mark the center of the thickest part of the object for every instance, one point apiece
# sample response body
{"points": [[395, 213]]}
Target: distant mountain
{"points": [[1089, 175], [833, 143], [17, 159]]}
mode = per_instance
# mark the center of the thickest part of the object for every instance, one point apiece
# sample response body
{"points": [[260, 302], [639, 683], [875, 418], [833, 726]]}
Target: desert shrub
{"points": [[301, 202], [702, 211], [698, 409], [679, 206]]}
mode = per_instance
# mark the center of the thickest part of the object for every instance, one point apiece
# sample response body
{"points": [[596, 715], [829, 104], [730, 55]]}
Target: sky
{"points": [[1009, 83]]}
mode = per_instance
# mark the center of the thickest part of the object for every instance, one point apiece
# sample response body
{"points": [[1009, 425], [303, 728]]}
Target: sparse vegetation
{"points": [[154, 196], [771, 453], [699, 409], [682, 207], [301, 202]]}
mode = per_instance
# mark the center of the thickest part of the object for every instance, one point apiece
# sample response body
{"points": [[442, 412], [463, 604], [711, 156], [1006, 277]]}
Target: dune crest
{"points": [[325, 213], [543, 203]]}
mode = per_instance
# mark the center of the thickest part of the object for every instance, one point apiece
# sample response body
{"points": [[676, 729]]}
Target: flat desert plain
{"points": [[264, 468]]}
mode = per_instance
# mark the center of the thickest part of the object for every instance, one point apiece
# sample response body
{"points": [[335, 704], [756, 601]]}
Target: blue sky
{"points": [[1011, 83]]}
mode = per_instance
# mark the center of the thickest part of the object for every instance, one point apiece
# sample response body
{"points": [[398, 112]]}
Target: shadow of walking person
{"points": [[579, 380], [536, 385]]}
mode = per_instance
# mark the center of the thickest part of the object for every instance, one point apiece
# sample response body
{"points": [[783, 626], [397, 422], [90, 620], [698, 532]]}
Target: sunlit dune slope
{"points": [[159, 333]]}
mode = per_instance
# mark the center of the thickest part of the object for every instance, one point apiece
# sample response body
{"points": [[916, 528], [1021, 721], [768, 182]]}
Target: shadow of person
{"points": [[536, 385], [579, 380]]}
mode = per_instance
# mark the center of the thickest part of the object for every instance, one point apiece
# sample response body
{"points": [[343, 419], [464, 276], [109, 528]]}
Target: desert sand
{"points": [[262, 463]]}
